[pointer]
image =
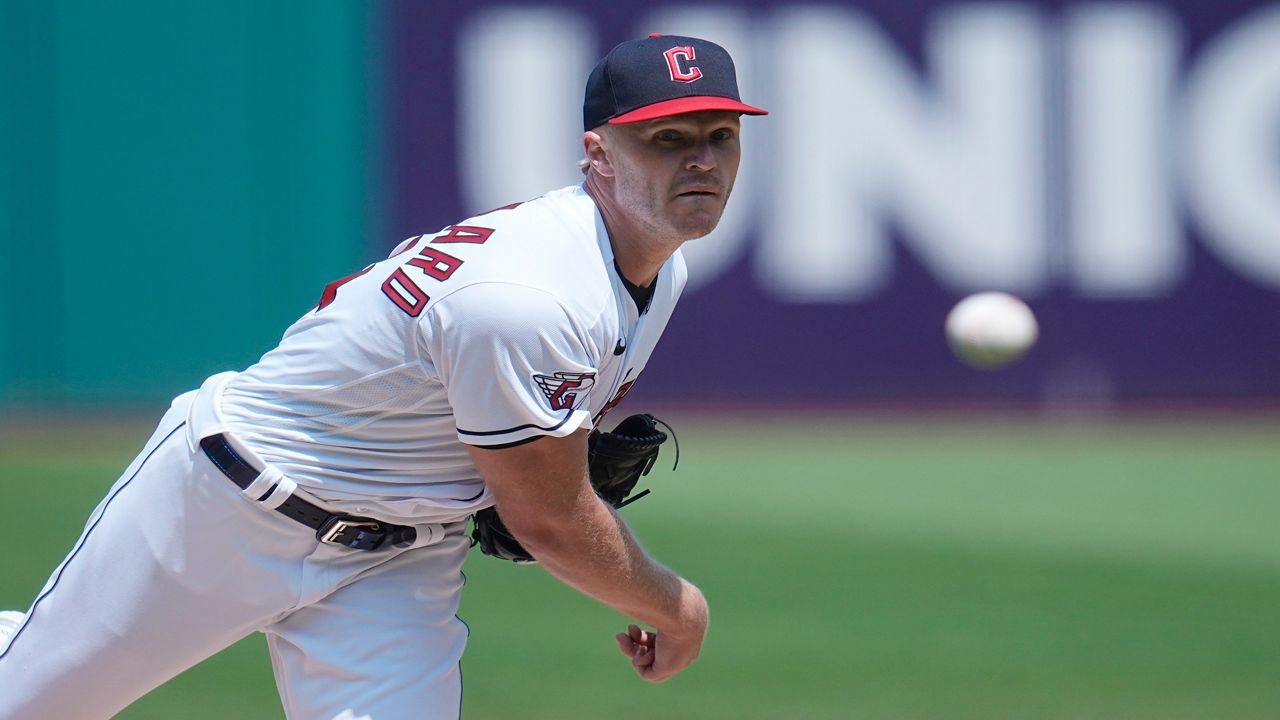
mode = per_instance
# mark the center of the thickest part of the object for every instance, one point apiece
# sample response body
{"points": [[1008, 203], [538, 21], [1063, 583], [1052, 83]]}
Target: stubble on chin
{"points": [[700, 223]]}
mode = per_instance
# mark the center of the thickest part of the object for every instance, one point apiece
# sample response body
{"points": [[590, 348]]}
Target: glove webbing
{"points": [[653, 440], [612, 457]]}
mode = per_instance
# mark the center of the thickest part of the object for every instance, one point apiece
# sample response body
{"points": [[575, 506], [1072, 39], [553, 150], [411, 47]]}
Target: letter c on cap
{"points": [[673, 64]]}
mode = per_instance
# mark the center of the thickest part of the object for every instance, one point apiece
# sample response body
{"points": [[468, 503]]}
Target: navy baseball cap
{"points": [[658, 76]]}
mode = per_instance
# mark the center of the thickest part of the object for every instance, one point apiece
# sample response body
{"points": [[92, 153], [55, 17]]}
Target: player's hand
{"points": [[659, 656]]}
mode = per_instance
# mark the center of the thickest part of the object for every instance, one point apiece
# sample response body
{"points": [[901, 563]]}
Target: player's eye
{"points": [[667, 136], [723, 134]]}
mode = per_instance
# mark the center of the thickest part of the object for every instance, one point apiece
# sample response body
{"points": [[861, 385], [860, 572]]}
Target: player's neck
{"points": [[637, 250], [637, 262]]}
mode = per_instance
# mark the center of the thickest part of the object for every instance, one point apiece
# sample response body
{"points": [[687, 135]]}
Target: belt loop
{"points": [[263, 485], [281, 491], [269, 489]]}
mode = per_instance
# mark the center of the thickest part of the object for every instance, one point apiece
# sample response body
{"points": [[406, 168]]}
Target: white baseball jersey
{"points": [[504, 327], [501, 328]]}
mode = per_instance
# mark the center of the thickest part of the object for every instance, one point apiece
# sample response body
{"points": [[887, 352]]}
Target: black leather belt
{"points": [[357, 533]]}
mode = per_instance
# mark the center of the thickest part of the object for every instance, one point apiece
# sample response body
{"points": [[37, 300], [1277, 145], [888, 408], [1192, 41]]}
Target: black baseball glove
{"points": [[615, 460]]}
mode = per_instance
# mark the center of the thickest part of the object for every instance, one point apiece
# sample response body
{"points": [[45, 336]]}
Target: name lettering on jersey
{"points": [[405, 293], [331, 290], [464, 234], [563, 389], [405, 289], [682, 71], [437, 263]]}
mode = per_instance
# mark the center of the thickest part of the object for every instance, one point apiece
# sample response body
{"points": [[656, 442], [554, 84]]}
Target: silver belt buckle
{"points": [[338, 526]]}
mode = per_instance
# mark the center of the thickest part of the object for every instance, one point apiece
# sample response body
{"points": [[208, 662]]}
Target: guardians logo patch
{"points": [[563, 389]]}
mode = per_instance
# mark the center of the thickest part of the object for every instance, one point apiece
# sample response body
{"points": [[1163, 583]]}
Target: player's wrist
{"points": [[692, 614]]}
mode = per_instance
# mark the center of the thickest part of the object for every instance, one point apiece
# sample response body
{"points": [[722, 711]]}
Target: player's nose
{"points": [[701, 157]]}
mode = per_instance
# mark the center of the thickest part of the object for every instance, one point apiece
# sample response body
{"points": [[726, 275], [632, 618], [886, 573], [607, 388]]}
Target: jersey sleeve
{"points": [[514, 362]]}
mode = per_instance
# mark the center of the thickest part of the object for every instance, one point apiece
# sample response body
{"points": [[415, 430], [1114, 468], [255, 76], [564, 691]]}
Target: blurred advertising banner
{"points": [[1116, 164]]}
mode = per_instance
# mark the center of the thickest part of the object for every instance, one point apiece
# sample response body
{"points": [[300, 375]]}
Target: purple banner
{"points": [[1117, 165]]}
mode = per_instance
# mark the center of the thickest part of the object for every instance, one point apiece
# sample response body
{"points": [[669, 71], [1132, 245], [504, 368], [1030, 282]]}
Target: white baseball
{"points": [[991, 329]]}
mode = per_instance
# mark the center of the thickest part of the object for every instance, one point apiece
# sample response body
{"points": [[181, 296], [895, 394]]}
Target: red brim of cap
{"points": [[680, 106]]}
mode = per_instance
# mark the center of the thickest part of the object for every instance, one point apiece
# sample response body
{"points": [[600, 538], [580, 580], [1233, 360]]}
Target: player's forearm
{"points": [[592, 550]]}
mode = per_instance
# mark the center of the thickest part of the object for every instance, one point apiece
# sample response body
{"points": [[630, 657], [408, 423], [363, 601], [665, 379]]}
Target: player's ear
{"points": [[597, 154]]}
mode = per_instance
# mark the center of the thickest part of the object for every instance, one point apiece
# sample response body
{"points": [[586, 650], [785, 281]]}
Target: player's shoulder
{"points": [[551, 244], [502, 317], [502, 309]]}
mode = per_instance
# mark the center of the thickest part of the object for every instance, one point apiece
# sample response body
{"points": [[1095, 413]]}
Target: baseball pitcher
{"points": [[322, 496]]}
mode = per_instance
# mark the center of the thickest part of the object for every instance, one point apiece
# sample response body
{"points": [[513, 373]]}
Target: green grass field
{"points": [[856, 568]]}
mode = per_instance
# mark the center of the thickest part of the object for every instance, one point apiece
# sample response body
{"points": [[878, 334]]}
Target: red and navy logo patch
{"points": [[680, 64], [563, 389]]}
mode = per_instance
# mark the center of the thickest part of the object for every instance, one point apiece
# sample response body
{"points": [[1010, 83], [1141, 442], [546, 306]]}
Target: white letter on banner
{"points": [[520, 79], [857, 139], [1126, 240], [709, 256], [1231, 173]]}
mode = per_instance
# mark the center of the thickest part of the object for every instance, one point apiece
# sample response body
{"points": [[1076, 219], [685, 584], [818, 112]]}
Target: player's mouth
{"points": [[699, 192]]}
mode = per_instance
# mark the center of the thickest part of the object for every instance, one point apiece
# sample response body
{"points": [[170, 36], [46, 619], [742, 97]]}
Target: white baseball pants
{"points": [[175, 564]]}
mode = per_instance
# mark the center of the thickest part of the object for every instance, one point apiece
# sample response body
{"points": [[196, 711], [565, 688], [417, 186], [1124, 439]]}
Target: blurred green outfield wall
{"points": [[180, 181]]}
